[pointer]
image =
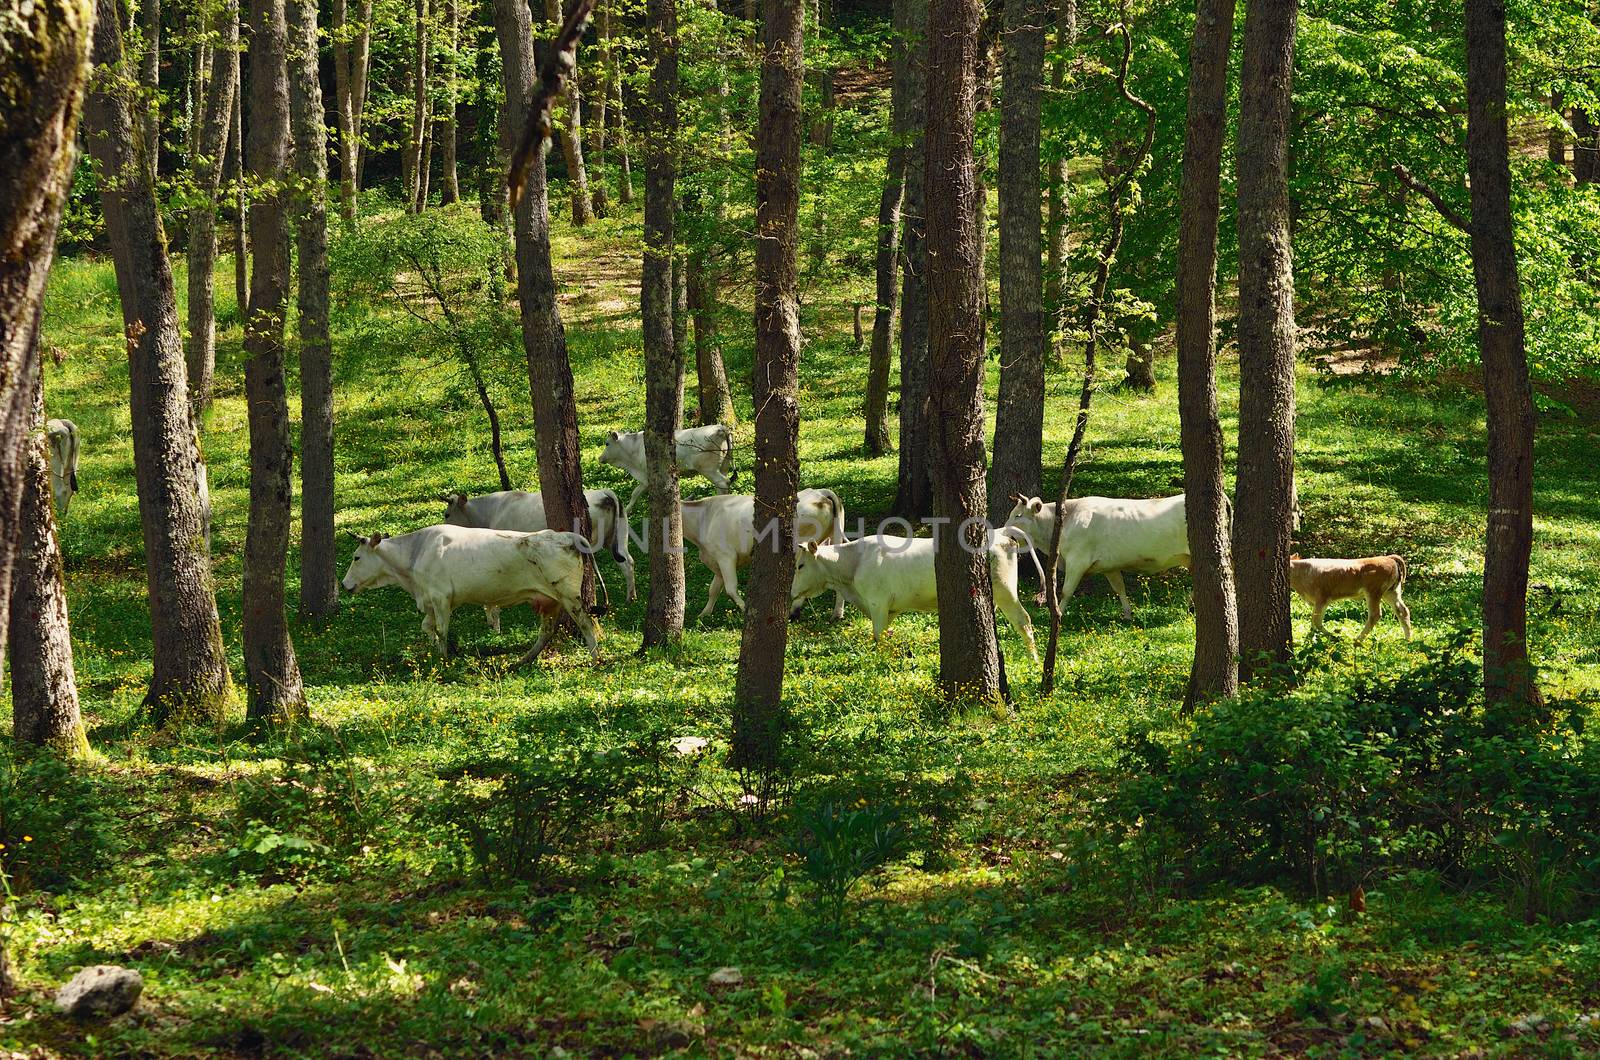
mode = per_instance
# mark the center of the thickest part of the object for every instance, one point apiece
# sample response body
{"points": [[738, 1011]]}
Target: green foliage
{"points": [[1327, 786], [57, 828], [838, 845]]}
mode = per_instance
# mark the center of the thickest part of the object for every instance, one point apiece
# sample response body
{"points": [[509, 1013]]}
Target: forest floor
{"points": [[322, 893]]}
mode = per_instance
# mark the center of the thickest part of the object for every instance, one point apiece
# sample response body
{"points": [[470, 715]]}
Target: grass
{"points": [[382, 939]]}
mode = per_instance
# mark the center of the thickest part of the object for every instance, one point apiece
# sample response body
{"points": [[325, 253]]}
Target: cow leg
{"points": [[1115, 578], [441, 630], [547, 629], [1017, 615], [626, 563], [1374, 613], [838, 605], [714, 592], [1317, 608], [1401, 611], [1069, 585], [493, 615], [719, 480], [730, 579], [633, 498]]}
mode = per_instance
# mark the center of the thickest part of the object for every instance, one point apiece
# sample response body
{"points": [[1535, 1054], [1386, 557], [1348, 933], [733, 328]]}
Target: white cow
{"points": [[1108, 535], [524, 511], [446, 567], [888, 576], [723, 529], [704, 451], [63, 438]]}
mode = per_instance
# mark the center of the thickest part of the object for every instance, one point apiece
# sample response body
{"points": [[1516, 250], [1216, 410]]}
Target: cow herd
{"points": [[499, 550]]}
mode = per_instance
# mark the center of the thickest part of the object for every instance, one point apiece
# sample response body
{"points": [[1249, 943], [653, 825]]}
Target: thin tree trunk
{"points": [[969, 664], [1556, 138], [886, 265], [272, 673], [1510, 687], [44, 62], [601, 80], [624, 161], [716, 400], [319, 585], [444, 128], [44, 688], [150, 84], [1265, 491], [210, 148], [822, 124], [543, 336], [360, 74], [1586, 148], [194, 96], [663, 621], [426, 164], [412, 164], [914, 490], [1056, 224], [570, 135], [344, 99], [1019, 412], [758, 717], [241, 201], [1215, 672], [190, 679]]}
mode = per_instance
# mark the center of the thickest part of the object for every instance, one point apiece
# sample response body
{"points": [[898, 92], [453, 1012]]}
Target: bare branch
{"points": [[553, 74], [1421, 187]]}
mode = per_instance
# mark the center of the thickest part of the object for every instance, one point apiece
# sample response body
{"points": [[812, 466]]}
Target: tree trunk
{"points": [[272, 674], [241, 209], [624, 161], [969, 664], [544, 339], [716, 401], [44, 689], [1556, 138], [44, 63], [663, 622], [1265, 493], [601, 80], [412, 165], [1056, 226], [914, 490], [758, 716], [821, 135], [886, 265], [210, 148], [1586, 149], [319, 584], [149, 123], [1215, 672], [1510, 688], [1019, 412], [360, 73], [344, 98], [444, 127], [190, 679], [571, 134]]}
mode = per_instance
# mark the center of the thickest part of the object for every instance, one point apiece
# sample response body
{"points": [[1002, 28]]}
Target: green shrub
{"points": [[838, 845], [56, 825], [1325, 786]]}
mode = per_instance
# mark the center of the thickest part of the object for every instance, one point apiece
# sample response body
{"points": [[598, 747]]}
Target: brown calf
{"points": [[1379, 578]]}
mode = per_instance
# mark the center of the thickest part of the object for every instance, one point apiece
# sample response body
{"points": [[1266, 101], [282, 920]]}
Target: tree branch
{"points": [[553, 74], [1421, 187]]}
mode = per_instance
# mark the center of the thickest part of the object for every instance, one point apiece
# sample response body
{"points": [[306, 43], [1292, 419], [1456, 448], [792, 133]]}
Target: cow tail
{"points": [[836, 536], [72, 449], [1400, 565]]}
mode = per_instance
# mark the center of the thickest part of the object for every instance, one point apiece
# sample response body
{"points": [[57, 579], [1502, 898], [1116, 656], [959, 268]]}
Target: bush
{"points": [[1324, 787], [56, 828], [838, 845]]}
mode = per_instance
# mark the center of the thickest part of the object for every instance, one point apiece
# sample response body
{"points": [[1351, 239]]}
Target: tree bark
{"points": [[360, 74], [190, 679], [1556, 138], [212, 144], [444, 127], [344, 101], [715, 399], [44, 688], [886, 264], [149, 123], [544, 338], [272, 673], [413, 166], [663, 622], [758, 716], [241, 200], [624, 160], [969, 664], [1215, 671], [44, 63], [1509, 680], [1019, 412], [571, 135], [1586, 148], [1265, 491], [601, 81], [914, 489], [1056, 223], [319, 584]]}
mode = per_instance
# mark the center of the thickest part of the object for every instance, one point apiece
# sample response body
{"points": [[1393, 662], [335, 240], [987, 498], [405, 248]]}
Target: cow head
{"points": [[612, 454], [1025, 510], [809, 579], [455, 509], [367, 569]]}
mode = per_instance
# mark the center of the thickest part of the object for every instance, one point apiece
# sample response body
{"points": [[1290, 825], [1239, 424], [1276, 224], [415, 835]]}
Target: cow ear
{"points": [[1035, 504], [1294, 556], [615, 436], [811, 547], [372, 542]]}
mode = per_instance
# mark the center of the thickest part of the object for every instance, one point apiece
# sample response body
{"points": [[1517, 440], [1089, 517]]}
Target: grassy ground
{"points": [[365, 928]]}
